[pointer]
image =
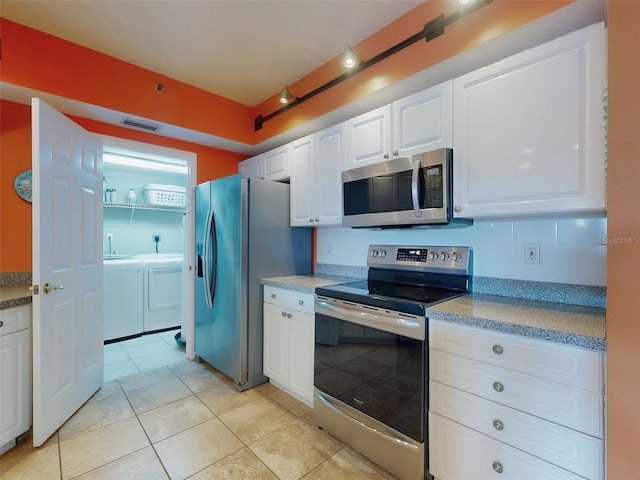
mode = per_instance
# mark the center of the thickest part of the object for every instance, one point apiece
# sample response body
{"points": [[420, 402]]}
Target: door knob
{"points": [[50, 288]]}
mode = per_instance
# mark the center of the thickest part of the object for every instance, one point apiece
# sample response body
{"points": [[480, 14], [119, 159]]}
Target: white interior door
{"points": [[67, 267]]}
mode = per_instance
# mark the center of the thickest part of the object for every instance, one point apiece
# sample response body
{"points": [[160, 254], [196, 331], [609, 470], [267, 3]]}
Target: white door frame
{"points": [[188, 306]]}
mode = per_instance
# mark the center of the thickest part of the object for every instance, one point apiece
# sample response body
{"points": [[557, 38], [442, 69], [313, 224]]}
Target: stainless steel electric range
{"points": [[371, 352]]}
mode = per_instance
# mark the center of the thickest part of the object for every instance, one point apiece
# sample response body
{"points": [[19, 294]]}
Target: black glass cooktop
{"points": [[408, 298]]}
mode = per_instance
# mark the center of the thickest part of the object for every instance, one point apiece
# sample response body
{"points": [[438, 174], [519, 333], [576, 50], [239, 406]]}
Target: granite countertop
{"points": [[305, 283], [14, 295], [558, 322], [570, 324]]}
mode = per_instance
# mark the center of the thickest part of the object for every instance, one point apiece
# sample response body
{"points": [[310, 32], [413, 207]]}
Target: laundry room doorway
{"points": [[147, 248]]}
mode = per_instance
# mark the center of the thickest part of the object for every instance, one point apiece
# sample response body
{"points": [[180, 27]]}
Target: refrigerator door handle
{"points": [[214, 258], [208, 263]]}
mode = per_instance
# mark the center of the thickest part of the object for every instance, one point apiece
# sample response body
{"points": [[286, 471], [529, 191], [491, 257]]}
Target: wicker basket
{"points": [[165, 195]]}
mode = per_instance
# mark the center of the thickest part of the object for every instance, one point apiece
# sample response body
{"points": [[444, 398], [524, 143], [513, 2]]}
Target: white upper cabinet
{"points": [[529, 131], [276, 164], [423, 121], [251, 167], [418, 123], [316, 185], [368, 138], [272, 165]]}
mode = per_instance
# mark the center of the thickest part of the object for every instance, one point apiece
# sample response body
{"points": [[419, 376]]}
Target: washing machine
{"points": [[162, 291], [123, 296]]}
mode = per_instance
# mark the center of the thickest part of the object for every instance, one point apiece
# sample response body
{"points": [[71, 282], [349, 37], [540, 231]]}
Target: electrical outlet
{"points": [[532, 253], [109, 237], [156, 238]]}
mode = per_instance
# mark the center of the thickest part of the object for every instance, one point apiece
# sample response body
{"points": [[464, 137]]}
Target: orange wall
{"points": [[46, 63], [15, 213], [487, 23], [15, 157], [623, 251]]}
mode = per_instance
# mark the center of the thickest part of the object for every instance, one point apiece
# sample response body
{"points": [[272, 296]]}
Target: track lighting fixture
{"points": [[350, 58], [285, 96], [431, 30]]}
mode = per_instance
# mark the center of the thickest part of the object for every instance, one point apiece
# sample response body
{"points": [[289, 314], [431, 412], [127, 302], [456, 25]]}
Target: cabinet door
{"points": [[301, 345], [565, 447], [459, 453], [251, 167], [15, 378], [572, 366], [276, 164], [303, 179], [578, 409], [423, 121], [529, 131], [275, 354], [368, 138], [330, 151]]}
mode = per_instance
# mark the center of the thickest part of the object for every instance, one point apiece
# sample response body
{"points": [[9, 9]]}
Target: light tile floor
{"points": [[160, 416]]}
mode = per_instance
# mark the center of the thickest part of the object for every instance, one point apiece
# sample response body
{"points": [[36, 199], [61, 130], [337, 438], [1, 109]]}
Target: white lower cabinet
{"points": [[460, 453], [15, 373], [289, 341], [505, 406]]}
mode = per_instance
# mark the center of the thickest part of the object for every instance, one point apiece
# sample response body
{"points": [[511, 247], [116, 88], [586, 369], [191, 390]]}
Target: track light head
{"points": [[285, 96], [350, 58]]}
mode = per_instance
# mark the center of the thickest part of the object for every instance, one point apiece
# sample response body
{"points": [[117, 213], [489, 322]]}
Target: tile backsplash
{"points": [[572, 249]]}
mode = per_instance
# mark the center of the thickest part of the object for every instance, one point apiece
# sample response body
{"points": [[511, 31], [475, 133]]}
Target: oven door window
{"points": [[379, 373]]}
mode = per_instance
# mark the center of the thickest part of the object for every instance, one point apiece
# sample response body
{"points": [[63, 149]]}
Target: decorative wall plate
{"points": [[22, 185]]}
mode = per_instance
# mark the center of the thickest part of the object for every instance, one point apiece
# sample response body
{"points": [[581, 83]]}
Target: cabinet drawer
{"points": [[575, 451], [14, 319], [565, 364], [302, 302], [276, 296], [459, 453], [577, 409]]}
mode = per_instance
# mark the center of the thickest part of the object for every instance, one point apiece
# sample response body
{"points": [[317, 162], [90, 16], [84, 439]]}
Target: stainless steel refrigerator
{"points": [[242, 235]]}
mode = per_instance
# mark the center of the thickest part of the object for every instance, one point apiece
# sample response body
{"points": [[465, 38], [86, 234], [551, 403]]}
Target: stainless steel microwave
{"points": [[404, 192]]}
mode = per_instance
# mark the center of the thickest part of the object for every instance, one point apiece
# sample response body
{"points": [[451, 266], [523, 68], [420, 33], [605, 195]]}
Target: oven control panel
{"points": [[421, 258]]}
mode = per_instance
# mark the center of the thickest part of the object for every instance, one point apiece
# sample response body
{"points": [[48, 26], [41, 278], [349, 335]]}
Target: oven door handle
{"points": [[387, 322]]}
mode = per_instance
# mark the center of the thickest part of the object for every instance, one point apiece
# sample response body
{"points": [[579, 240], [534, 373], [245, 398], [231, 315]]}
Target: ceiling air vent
{"points": [[149, 127]]}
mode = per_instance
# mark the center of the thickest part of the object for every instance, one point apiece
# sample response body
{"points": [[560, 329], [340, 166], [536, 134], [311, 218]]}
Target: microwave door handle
{"points": [[414, 189]]}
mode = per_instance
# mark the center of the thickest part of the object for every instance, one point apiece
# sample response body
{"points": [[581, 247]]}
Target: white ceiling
{"points": [[244, 50]]}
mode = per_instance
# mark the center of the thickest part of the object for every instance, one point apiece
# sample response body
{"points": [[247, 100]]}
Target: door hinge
{"points": [[35, 289]]}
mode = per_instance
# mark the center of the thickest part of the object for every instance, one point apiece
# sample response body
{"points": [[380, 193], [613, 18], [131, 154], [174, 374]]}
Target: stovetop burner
{"points": [[398, 298], [408, 279]]}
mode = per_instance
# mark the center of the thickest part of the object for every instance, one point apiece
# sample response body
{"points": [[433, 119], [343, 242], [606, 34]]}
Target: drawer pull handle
{"points": [[498, 425], [284, 314], [497, 349], [1, 323], [273, 295], [288, 315], [300, 302], [497, 467], [498, 387]]}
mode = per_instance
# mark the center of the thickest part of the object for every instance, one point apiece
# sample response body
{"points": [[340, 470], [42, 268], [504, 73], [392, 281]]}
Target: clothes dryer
{"points": [[162, 294]]}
